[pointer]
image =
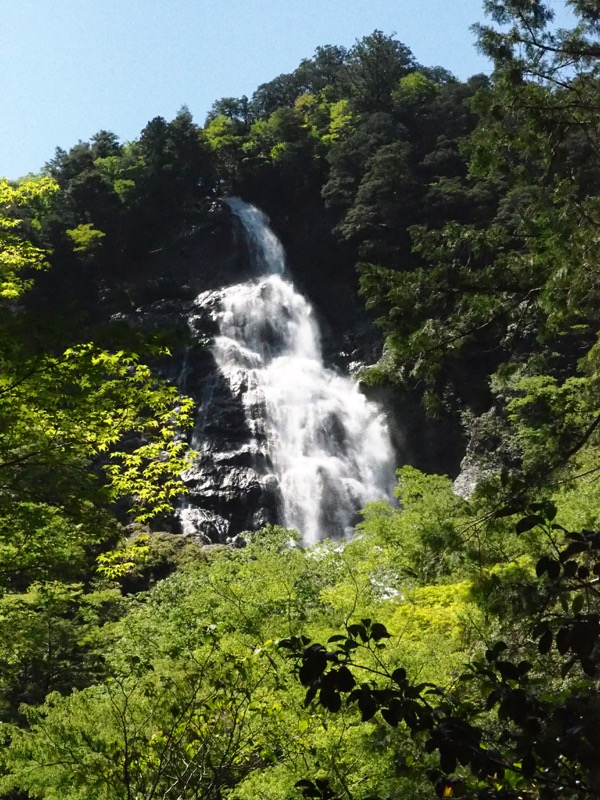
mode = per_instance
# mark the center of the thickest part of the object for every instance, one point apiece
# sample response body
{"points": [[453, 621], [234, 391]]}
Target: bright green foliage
{"points": [[123, 560], [193, 697], [220, 134], [425, 531], [19, 203], [414, 90], [284, 136], [64, 424], [200, 698], [86, 239], [65, 411], [547, 418], [434, 612], [187, 729], [49, 636], [505, 730], [340, 121]]}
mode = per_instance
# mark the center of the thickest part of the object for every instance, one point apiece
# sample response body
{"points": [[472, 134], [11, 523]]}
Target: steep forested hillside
{"points": [[452, 647]]}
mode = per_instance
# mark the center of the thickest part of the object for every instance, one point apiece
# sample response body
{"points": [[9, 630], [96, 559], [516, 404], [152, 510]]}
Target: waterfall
{"points": [[265, 249], [328, 447]]}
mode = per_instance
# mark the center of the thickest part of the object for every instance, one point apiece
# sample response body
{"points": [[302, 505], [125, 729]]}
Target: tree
{"points": [[191, 729], [18, 255], [233, 108], [281, 92], [375, 65], [385, 205], [62, 411]]}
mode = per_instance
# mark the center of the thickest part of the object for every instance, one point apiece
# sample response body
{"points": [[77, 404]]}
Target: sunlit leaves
{"points": [[86, 239], [69, 410], [17, 253]]}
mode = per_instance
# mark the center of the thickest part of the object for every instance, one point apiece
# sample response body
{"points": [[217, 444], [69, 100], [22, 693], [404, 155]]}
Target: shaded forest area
{"points": [[452, 648]]}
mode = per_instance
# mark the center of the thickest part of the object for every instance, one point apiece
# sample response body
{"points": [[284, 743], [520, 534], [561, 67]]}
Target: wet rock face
{"points": [[230, 485]]}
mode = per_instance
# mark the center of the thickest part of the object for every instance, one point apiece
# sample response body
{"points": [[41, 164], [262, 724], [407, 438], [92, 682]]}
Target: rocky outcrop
{"points": [[489, 450], [230, 486]]}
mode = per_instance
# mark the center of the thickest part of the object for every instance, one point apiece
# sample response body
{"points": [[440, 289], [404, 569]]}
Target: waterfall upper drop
{"points": [[265, 250], [312, 438]]}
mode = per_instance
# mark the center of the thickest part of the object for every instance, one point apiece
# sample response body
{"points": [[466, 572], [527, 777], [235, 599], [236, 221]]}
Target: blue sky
{"points": [[73, 67]]}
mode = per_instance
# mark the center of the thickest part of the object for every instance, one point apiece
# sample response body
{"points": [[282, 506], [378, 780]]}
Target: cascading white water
{"points": [[329, 447], [266, 251]]}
